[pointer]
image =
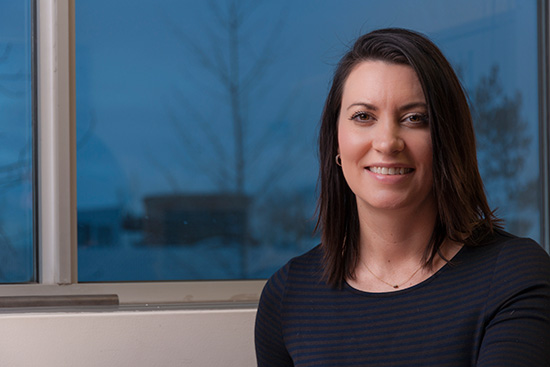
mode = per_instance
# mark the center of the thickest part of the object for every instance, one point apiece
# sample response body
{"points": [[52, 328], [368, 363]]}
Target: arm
{"points": [[268, 336], [517, 331]]}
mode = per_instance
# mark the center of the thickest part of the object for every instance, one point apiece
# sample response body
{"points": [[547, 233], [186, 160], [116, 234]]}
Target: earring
{"points": [[338, 160]]}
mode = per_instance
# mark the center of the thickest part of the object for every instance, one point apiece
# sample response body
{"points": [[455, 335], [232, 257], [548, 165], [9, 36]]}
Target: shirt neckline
{"points": [[451, 263]]}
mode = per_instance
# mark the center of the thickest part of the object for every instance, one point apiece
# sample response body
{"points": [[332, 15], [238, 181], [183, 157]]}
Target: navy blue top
{"points": [[490, 306]]}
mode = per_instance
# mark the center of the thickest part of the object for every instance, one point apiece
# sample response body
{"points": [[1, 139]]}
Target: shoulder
{"points": [[299, 270], [517, 253], [517, 304], [306, 265], [503, 249], [269, 336], [514, 264]]}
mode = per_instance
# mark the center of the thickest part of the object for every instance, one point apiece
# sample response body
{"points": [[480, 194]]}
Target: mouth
{"points": [[390, 171]]}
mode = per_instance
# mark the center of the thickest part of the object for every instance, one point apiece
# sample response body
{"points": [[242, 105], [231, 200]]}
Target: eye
{"points": [[417, 119], [361, 116]]}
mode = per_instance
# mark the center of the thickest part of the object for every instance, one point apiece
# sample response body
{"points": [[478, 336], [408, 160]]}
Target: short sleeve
{"points": [[517, 331], [268, 336]]}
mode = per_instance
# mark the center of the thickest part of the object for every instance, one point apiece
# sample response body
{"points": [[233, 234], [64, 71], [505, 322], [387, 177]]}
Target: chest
{"points": [[348, 330]]}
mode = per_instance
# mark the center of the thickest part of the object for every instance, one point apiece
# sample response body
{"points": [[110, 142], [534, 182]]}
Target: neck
{"points": [[395, 237], [392, 245]]}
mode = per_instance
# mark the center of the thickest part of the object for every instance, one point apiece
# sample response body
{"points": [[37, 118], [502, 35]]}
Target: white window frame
{"points": [[57, 222]]}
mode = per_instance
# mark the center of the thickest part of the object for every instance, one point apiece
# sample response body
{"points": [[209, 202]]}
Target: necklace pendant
{"points": [[396, 286]]}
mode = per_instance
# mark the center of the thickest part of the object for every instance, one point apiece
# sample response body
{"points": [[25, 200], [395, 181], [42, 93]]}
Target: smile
{"points": [[390, 170]]}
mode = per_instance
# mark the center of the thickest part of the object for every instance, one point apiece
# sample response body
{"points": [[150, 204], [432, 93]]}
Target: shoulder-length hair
{"points": [[463, 212]]}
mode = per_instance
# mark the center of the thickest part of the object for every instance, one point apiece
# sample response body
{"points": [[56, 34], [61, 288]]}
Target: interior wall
{"points": [[128, 338]]}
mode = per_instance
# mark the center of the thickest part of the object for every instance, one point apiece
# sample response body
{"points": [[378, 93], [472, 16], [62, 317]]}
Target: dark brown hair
{"points": [[463, 212]]}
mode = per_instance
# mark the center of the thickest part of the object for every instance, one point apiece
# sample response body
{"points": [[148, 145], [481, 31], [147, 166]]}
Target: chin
{"points": [[383, 204]]}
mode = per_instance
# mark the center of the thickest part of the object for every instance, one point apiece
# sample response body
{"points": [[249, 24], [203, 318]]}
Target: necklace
{"points": [[394, 286]]}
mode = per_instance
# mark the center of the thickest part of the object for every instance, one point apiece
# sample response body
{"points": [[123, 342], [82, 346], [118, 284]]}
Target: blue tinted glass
{"points": [[197, 124], [16, 237]]}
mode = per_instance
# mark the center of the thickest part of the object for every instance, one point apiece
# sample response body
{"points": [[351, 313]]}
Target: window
{"points": [[196, 124], [183, 147], [16, 145]]}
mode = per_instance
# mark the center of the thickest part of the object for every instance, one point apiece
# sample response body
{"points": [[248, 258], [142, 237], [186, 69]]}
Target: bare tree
{"points": [[503, 143], [240, 67], [241, 75]]}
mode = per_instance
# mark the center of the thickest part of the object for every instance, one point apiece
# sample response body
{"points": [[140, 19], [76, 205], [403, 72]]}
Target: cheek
{"points": [[351, 143], [423, 153]]}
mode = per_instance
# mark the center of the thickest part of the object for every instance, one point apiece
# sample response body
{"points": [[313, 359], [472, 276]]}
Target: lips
{"points": [[390, 171]]}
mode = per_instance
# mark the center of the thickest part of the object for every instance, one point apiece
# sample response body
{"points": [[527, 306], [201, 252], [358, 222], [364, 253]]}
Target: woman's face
{"points": [[384, 137]]}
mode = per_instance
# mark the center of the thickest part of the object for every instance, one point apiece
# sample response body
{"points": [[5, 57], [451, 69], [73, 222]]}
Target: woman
{"points": [[413, 269]]}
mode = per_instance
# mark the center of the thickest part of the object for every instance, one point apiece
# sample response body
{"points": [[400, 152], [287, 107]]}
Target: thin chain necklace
{"points": [[394, 286]]}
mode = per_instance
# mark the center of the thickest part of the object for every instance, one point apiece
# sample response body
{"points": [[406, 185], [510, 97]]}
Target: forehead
{"points": [[381, 81]]}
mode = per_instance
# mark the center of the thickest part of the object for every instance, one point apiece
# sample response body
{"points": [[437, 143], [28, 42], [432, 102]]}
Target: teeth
{"points": [[390, 171]]}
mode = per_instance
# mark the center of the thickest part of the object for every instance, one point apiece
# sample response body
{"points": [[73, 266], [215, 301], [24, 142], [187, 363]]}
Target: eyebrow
{"points": [[368, 106], [372, 107], [412, 105]]}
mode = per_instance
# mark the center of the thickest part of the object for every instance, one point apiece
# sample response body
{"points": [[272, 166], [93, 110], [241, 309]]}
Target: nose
{"points": [[387, 138]]}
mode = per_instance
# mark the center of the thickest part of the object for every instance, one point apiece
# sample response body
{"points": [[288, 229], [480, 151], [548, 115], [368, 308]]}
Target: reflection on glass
{"points": [[197, 124], [16, 238]]}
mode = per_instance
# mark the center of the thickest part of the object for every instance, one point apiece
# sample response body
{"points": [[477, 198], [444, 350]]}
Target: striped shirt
{"points": [[490, 306]]}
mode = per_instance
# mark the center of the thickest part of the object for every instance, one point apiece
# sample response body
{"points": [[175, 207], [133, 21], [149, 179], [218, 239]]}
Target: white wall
{"points": [[217, 338]]}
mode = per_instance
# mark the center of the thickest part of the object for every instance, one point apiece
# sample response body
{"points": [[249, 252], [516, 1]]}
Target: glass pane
{"points": [[197, 123], [16, 238]]}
